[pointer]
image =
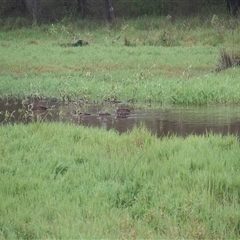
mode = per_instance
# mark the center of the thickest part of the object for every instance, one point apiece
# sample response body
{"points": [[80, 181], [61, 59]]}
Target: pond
{"points": [[180, 121]]}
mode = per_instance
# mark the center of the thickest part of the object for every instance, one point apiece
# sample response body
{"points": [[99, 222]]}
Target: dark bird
{"points": [[122, 112], [104, 114], [80, 43]]}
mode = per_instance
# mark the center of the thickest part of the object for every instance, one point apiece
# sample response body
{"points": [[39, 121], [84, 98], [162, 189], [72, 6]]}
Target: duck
{"points": [[122, 112], [121, 116], [32, 108], [104, 114]]}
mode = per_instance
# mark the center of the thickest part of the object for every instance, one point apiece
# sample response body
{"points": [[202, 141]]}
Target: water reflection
{"points": [[161, 122]]}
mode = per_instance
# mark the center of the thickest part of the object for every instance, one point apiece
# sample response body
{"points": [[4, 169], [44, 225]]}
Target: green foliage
{"points": [[62, 181], [148, 60]]}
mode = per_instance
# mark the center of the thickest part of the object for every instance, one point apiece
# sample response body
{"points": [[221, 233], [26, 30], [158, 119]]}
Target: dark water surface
{"points": [[180, 121]]}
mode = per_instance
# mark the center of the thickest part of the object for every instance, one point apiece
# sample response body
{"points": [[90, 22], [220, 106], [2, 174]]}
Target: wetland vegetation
{"points": [[71, 182], [164, 62], [65, 181]]}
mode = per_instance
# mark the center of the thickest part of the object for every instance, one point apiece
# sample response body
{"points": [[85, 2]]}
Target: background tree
{"points": [[49, 11], [35, 8], [20, 5], [233, 6], [109, 11], [81, 8]]}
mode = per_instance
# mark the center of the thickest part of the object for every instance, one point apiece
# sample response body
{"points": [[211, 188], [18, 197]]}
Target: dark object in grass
{"points": [[80, 43], [228, 60], [122, 112]]}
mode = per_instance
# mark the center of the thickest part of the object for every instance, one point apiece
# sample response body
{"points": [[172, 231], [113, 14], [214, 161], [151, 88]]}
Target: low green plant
{"points": [[169, 56], [65, 181]]}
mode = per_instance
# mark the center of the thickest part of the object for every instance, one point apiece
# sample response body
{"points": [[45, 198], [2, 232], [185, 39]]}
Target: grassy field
{"points": [[67, 182], [155, 60], [60, 181]]}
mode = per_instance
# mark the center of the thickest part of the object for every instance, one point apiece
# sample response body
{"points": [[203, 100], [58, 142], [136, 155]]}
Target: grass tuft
{"points": [[228, 60]]}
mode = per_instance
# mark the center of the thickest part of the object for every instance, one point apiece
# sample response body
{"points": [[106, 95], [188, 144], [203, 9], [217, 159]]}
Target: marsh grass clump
{"points": [[127, 42], [228, 60]]}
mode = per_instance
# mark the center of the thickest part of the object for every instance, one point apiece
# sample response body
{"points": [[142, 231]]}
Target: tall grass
{"points": [[161, 60], [70, 182], [62, 181]]}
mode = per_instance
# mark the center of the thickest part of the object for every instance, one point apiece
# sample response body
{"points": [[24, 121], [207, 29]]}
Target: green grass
{"points": [[60, 181], [70, 182], [167, 62]]}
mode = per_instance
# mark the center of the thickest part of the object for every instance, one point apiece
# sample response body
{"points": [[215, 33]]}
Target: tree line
{"points": [[53, 10]]}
